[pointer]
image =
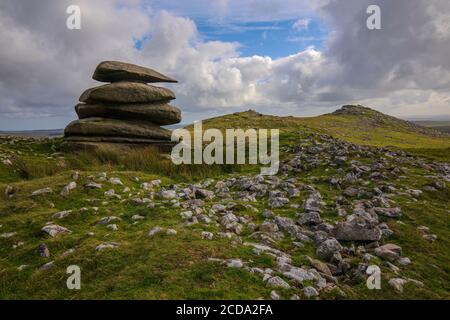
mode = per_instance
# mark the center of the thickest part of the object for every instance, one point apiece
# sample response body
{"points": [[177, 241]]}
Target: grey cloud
{"points": [[407, 52]]}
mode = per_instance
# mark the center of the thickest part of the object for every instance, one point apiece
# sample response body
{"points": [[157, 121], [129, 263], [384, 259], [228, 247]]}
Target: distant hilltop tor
{"points": [[376, 118]]}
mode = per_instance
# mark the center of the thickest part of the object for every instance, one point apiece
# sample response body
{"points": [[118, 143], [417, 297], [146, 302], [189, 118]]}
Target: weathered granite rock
{"points": [[113, 71], [159, 113], [124, 114], [356, 230], [126, 92], [116, 128]]}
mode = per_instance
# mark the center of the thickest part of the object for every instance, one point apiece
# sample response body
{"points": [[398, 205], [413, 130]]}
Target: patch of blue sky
{"points": [[138, 43], [273, 39]]}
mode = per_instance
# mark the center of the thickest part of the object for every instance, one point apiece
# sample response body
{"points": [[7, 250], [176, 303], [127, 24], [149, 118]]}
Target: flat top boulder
{"points": [[116, 128], [356, 230], [113, 71], [126, 92], [160, 113]]}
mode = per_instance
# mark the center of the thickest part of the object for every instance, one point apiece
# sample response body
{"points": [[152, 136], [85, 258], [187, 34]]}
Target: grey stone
{"points": [[154, 231], [274, 295], [113, 71], [106, 245], [277, 282], [310, 217], [66, 190], [47, 266], [268, 227], [310, 292], [207, 235], [390, 252], [110, 128], [8, 235], [389, 212], [204, 194], [328, 248], [61, 214], [43, 251], [126, 92], [53, 230], [93, 185], [42, 191], [171, 232], [159, 113], [107, 220], [397, 284], [356, 229], [234, 263], [112, 227]]}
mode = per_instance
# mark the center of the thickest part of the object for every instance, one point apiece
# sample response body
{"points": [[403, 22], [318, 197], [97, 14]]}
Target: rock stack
{"points": [[125, 112]]}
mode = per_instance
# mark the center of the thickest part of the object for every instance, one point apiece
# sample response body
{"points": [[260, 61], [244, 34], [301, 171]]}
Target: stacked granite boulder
{"points": [[126, 112]]}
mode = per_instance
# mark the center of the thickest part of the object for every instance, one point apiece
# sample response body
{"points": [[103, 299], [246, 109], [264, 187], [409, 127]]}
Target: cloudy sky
{"points": [[290, 57]]}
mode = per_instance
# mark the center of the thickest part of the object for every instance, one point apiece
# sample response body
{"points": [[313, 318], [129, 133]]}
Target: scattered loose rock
{"points": [[106, 245], [53, 230]]}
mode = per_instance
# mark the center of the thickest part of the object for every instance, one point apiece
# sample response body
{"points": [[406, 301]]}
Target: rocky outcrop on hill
{"points": [[376, 118], [127, 111]]}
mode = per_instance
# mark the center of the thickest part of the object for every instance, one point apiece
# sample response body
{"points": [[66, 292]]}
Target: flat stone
{"points": [[274, 295], [53, 230], [207, 235], [137, 217], [404, 261], [390, 252], [277, 282], [320, 266], [42, 191], [8, 235], [328, 248], [310, 292], [106, 245], [154, 231], [112, 71], [311, 217], [47, 265], [116, 128], [234, 263], [356, 230], [112, 227], [389, 212], [159, 113], [268, 227], [171, 232], [126, 92], [299, 274], [69, 187], [61, 214], [116, 181], [107, 220], [397, 284]]}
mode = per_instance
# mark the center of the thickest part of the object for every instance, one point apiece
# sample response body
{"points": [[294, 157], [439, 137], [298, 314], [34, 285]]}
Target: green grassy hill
{"points": [[355, 159], [356, 124]]}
